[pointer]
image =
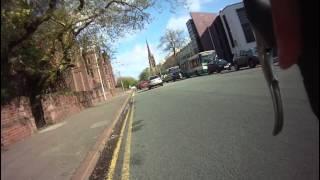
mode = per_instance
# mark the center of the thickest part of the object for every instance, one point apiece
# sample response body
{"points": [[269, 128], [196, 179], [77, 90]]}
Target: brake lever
{"points": [[265, 55], [260, 17]]}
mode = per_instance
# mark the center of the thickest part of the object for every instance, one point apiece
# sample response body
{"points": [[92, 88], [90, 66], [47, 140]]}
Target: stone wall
{"points": [[58, 107], [17, 121]]}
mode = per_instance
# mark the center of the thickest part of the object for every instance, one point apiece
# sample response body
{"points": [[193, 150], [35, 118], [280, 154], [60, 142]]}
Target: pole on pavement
{"points": [[211, 38], [101, 82], [121, 82]]}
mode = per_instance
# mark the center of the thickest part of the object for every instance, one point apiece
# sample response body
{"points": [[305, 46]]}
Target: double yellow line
{"points": [[125, 172]]}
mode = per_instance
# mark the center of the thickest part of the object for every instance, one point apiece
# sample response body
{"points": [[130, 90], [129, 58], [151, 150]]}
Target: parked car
{"points": [[246, 58], [155, 81], [173, 74], [167, 78], [134, 88], [218, 65], [143, 84]]}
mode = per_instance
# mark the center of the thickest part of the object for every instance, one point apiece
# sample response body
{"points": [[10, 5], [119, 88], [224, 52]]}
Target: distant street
{"points": [[220, 127]]}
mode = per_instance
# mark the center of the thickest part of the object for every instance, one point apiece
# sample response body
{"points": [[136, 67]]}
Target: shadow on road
{"points": [[137, 125], [233, 70]]}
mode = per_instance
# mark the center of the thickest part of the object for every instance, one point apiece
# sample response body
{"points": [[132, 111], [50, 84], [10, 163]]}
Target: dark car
{"points": [[246, 58], [173, 74], [218, 65]]}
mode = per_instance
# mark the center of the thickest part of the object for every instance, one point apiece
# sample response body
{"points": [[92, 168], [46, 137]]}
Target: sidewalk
{"points": [[57, 151]]}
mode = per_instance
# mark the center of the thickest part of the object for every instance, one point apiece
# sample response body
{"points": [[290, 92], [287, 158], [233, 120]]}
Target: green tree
{"points": [[39, 38], [144, 74], [127, 82]]}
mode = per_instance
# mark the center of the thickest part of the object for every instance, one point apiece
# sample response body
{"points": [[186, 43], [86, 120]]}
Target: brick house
{"points": [[201, 38], [17, 121], [85, 76]]}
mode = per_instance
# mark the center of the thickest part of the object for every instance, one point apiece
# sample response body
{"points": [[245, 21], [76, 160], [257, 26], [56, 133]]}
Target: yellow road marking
{"points": [[116, 151], [125, 173]]}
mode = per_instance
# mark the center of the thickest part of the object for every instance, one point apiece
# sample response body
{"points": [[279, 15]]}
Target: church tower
{"points": [[152, 62]]}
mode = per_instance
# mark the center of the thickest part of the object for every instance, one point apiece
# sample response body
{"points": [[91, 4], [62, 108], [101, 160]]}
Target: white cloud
{"points": [[196, 5], [132, 62], [178, 23]]}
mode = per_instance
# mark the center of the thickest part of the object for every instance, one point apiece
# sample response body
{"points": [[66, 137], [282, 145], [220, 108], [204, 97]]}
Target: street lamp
{"points": [[121, 81], [99, 73], [117, 62]]}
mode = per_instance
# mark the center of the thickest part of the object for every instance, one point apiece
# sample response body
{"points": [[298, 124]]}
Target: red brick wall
{"points": [[58, 107], [17, 121]]}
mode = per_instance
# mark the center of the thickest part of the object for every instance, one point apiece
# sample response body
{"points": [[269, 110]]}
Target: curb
{"points": [[87, 165]]}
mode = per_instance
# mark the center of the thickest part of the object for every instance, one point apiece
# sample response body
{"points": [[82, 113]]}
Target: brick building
{"points": [[170, 61], [85, 76], [17, 119], [220, 40], [198, 25]]}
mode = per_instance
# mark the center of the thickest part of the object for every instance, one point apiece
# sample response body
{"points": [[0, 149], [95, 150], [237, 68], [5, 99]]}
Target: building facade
{"points": [[198, 28], [238, 30], [85, 75], [220, 40], [184, 53]]}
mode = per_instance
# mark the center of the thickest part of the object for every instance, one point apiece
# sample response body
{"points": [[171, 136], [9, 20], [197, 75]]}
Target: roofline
{"points": [[211, 13], [230, 6]]}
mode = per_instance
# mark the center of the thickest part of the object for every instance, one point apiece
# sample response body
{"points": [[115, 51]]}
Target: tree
{"points": [[144, 74], [172, 40], [127, 82], [39, 39]]}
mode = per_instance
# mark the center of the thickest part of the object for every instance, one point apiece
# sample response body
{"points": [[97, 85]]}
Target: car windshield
{"points": [[173, 70], [207, 58], [221, 61], [153, 77], [158, 90]]}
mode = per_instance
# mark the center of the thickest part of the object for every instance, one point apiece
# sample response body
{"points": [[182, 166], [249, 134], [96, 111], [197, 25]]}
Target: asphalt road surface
{"points": [[220, 127]]}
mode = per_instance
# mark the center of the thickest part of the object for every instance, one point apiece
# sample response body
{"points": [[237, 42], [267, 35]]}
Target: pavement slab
{"points": [[57, 151]]}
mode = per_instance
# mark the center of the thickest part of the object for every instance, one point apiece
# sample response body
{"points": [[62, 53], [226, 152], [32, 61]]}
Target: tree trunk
{"points": [[37, 110]]}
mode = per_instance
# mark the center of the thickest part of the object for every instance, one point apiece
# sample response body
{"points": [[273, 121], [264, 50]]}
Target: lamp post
{"points": [[99, 73], [121, 81], [211, 38], [117, 62], [101, 82]]}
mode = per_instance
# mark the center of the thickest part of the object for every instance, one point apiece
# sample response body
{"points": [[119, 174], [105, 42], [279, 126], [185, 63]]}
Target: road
{"points": [[220, 127]]}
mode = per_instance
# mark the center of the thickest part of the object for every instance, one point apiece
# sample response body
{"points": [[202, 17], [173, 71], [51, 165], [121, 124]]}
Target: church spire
{"points": [[152, 62]]}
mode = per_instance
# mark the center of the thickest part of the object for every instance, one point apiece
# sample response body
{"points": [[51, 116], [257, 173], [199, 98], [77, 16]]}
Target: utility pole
{"points": [[211, 38], [101, 82], [121, 81]]}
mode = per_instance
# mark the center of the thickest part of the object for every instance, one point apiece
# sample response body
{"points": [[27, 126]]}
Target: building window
{"points": [[228, 30], [245, 25]]}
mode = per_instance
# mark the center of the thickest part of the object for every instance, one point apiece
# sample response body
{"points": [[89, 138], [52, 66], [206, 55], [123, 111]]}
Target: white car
{"points": [[133, 88], [155, 81]]}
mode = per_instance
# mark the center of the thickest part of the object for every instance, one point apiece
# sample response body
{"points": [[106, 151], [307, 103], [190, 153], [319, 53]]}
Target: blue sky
{"points": [[131, 57]]}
